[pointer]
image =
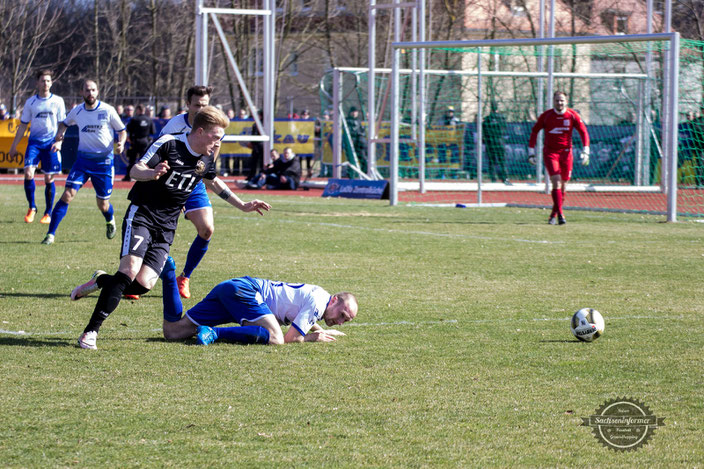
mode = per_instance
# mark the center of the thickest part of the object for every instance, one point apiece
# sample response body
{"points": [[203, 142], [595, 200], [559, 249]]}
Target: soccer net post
{"points": [[479, 117]]}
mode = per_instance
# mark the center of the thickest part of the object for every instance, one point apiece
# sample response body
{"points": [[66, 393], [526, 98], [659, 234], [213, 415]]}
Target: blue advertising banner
{"points": [[357, 189]]}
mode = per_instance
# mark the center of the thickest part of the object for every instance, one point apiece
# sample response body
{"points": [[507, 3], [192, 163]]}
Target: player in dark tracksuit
{"points": [[140, 129]]}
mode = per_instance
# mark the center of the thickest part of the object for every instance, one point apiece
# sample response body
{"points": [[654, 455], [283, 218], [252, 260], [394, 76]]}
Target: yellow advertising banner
{"points": [[8, 129], [444, 146], [297, 134]]}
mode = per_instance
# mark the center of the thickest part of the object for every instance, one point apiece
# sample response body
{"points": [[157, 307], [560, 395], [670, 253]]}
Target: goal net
{"points": [[620, 89]]}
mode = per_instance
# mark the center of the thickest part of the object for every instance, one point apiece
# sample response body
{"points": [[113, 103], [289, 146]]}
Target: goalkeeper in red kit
{"points": [[557, 149]]}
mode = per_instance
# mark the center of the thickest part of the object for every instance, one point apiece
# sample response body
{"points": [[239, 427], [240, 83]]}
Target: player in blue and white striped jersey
{"points": [[97, 122], [261, 307], [44, 111], [198, 208]]}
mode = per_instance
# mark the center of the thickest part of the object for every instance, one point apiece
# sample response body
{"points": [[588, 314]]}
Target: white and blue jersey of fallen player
{"points": [[44, 114], [96, 129], [297, 304], [249, 298], [199, 197]]}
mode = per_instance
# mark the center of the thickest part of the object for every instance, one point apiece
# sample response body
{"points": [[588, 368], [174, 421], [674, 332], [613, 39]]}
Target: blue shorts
{"points": [[198, 198], [41, 152], [101, 174], [233, 300]]}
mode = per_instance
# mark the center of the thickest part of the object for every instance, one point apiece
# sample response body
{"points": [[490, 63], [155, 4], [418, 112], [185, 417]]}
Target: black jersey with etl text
{"points": [[165, 197]]}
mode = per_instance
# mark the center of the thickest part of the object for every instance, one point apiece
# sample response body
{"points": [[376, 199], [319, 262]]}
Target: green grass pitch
{"points": [[461, 355]]}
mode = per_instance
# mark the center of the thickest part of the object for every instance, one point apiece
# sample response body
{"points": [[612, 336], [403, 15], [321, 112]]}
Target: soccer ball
{"points": [[587, 324]]}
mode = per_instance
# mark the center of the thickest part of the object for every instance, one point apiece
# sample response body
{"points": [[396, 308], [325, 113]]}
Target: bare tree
{"points": [[26, 26]]}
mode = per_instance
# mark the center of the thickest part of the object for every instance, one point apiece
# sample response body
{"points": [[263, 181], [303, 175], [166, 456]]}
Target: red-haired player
{"points": [[557, 149]]}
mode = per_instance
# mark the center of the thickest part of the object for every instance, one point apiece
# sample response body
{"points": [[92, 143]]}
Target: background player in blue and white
{"points": [[97, 122], [198, 208], [44, 111], [261, 307]]}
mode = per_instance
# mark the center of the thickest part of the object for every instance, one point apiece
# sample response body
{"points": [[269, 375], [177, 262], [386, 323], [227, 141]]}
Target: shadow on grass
{"points": [[34, 295], [27, 341], [564, 341]]}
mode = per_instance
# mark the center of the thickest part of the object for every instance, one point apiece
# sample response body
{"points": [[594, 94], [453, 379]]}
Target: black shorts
{"points": [[143, 238]]}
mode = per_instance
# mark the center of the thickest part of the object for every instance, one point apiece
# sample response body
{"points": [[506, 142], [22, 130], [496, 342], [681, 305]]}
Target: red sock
{"points": [[561, 194], [556, 205]]}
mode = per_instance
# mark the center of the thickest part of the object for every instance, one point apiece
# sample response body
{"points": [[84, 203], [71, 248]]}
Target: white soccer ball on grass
{"points": [[587, 324]]}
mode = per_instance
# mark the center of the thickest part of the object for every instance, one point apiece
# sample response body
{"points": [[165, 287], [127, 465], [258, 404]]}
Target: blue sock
{"points": [[29, 187], [173, 308], [109, 213], [49, 193], [57, 215], [195, 255], [243, 334]]}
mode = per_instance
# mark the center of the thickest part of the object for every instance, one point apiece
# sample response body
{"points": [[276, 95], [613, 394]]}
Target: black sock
{"points": [[135, 288], [109, 298], [102, 280]]}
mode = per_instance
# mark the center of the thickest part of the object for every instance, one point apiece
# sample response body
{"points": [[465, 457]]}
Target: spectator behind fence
{"points": [[449, 117], [165, 112], [493, 131], [242, 115], [358, 137], [129, 113]]}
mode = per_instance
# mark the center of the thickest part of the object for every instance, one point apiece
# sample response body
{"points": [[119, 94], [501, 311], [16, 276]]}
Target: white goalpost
{"points": [[643, 144]]}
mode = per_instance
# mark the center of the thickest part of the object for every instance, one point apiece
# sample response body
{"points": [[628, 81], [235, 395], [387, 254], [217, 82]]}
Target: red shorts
{"points": [[559, 163]]}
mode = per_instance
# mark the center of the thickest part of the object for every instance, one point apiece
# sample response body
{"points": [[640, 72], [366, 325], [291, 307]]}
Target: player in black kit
{"points": [[165, 177], [140, 129]]}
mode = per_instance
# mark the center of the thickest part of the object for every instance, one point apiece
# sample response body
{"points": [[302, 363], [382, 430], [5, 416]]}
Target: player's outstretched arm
{"points": [[220, 188], [293, 336], [333, 332]]}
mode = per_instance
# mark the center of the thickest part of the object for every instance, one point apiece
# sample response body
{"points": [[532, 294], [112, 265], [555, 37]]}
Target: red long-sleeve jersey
{"points": [[558, 130]]}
